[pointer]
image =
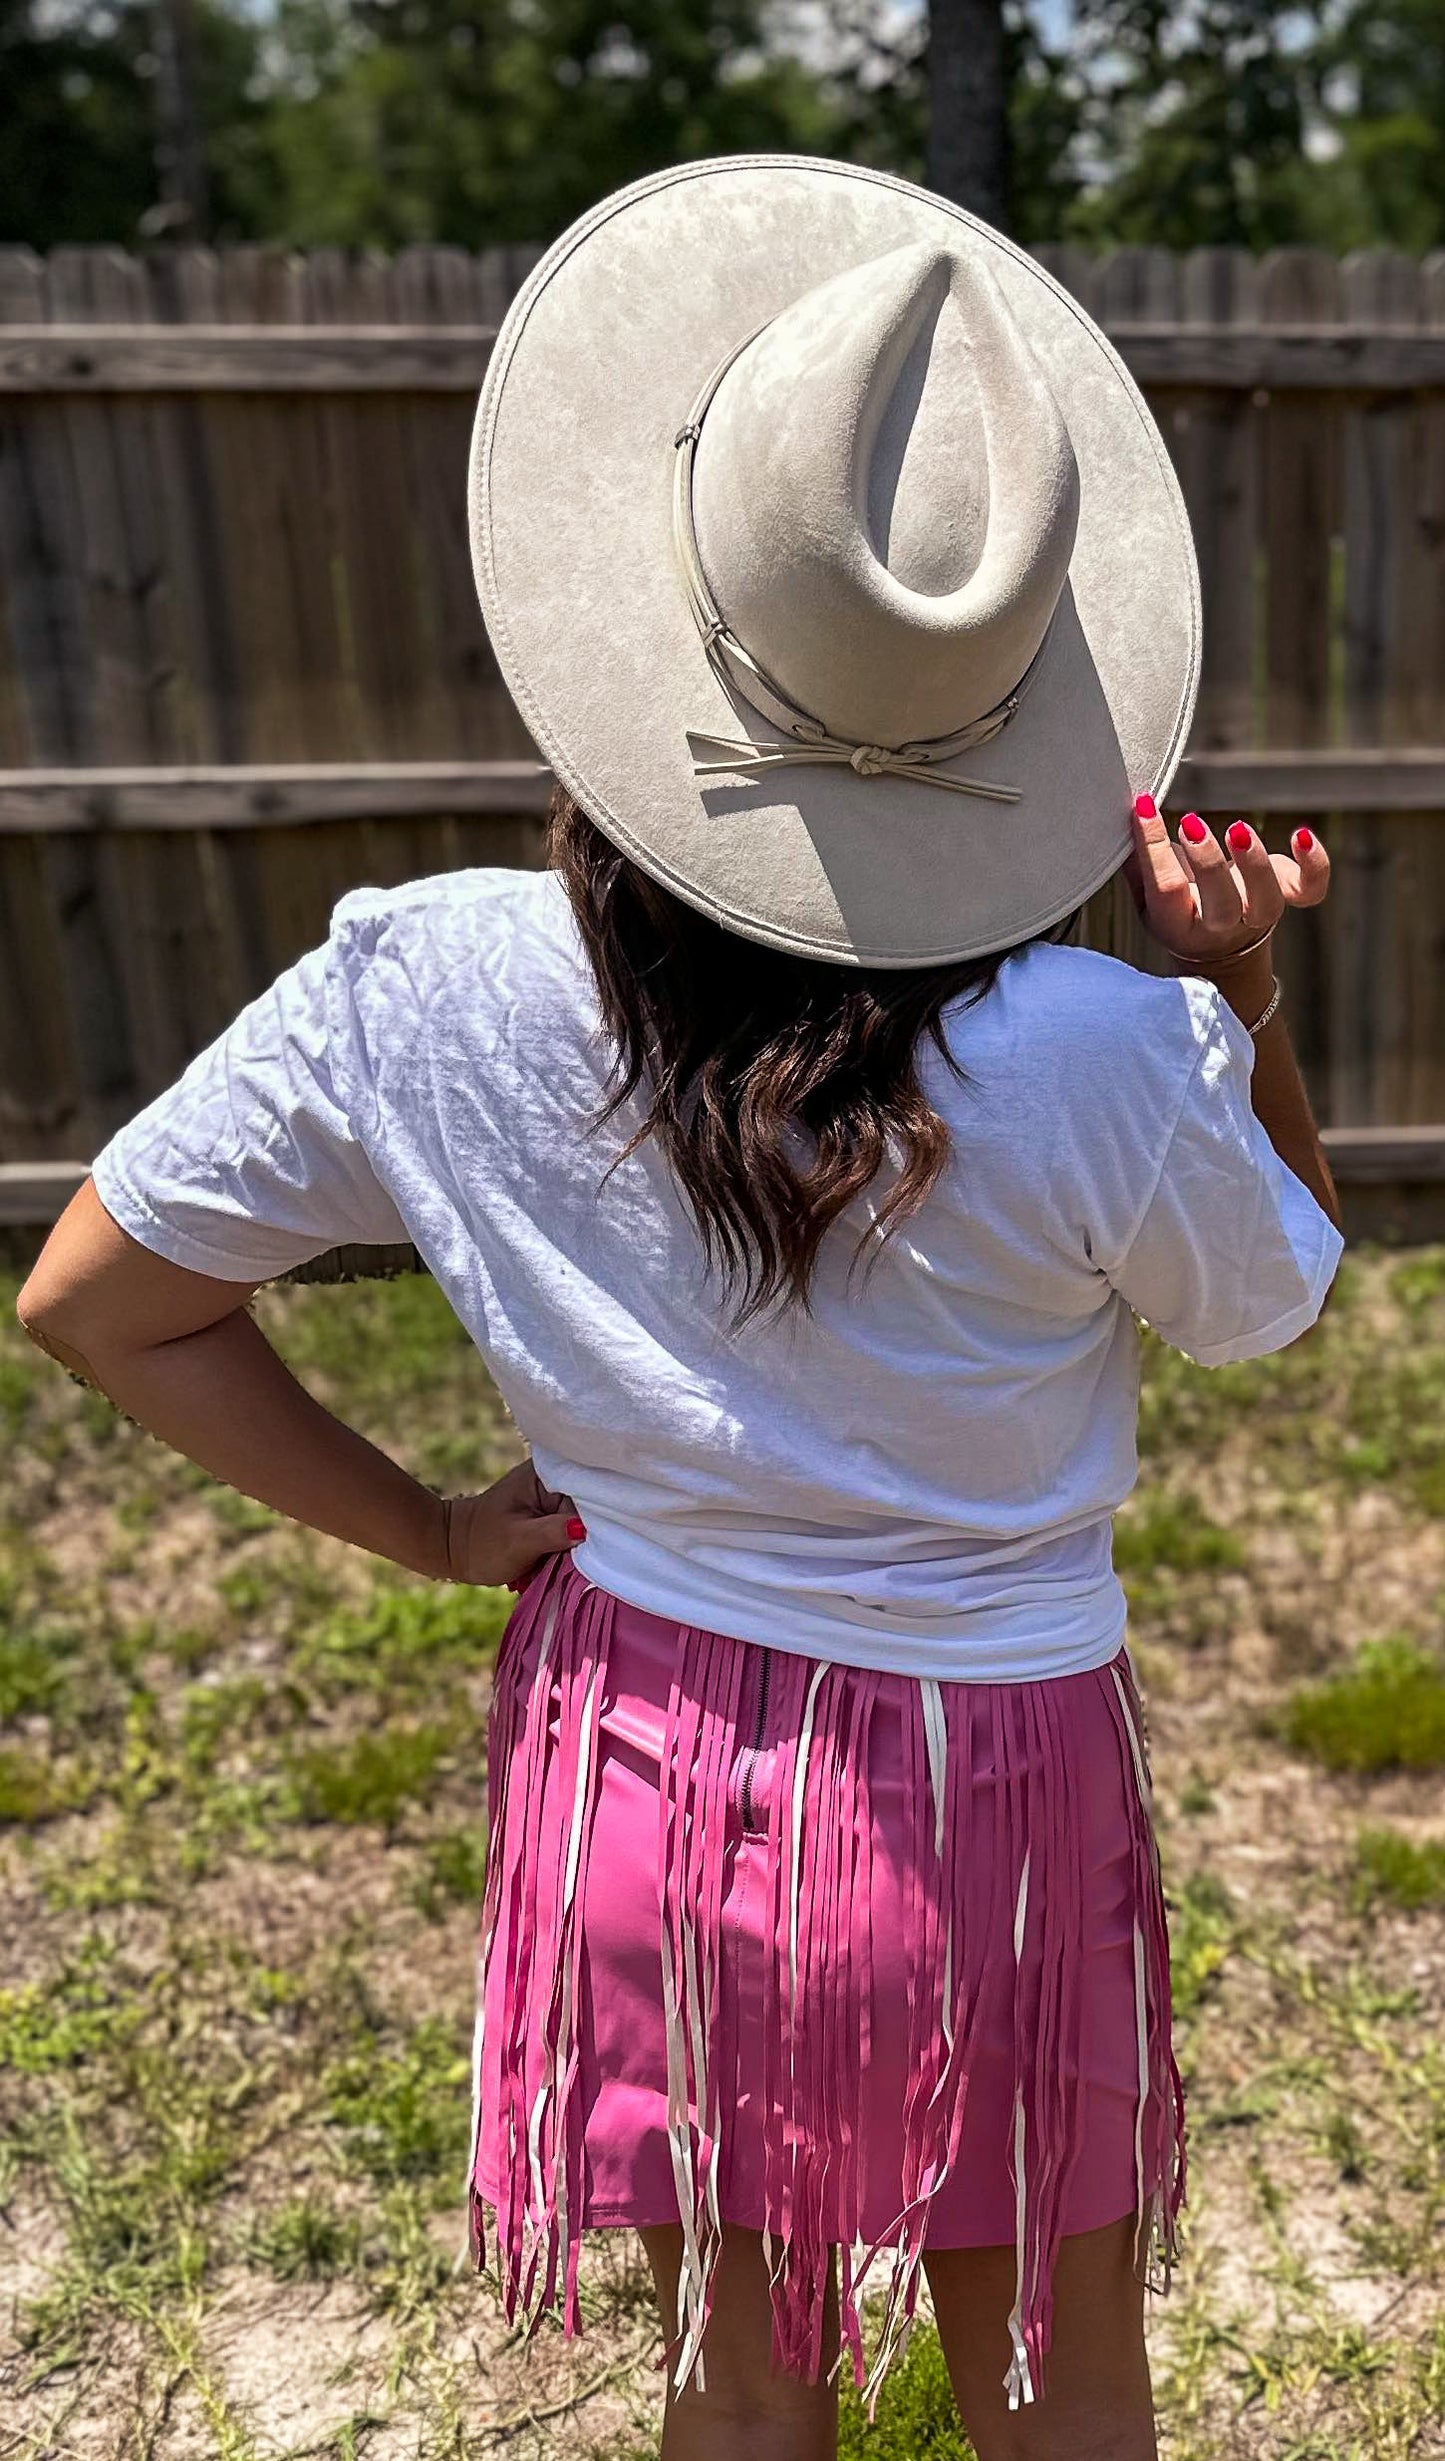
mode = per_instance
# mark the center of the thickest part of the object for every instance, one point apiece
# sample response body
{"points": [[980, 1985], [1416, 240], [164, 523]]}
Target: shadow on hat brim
{"points": [[597, 363]]}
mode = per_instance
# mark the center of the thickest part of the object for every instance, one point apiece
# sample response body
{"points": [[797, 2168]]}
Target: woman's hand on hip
{"points": [[1204, 904], [495, 1539]]}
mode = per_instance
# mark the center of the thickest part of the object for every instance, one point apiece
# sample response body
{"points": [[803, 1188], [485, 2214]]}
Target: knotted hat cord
{"points": [[808, 740]]}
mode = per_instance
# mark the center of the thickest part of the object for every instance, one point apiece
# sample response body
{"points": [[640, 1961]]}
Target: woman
{"points": [[799, 1181]]}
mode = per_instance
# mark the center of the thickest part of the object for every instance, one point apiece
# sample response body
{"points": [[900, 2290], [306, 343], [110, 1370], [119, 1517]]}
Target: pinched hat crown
{"points": [[885, 499]]}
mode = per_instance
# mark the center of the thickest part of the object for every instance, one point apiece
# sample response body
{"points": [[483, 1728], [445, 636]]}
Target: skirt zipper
{"points": [[750, 1761]]}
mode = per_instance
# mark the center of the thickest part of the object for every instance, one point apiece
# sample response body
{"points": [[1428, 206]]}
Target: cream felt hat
{"points": [[833, 559]]}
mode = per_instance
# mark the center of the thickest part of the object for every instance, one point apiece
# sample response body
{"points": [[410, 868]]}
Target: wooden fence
{"points": [[242, 669]]}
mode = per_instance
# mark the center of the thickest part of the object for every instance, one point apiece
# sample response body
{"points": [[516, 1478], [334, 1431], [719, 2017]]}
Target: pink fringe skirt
{"points": [[860, 1961]]}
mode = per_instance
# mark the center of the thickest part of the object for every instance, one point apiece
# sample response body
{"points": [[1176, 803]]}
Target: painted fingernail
{"points": [[1146, 807], [1192, 827], [576, 1529], [1237, 836], [1304, 839]]}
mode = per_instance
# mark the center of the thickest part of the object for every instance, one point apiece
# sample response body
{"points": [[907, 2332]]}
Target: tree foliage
{"points": [[378, 122], [460, 120]]}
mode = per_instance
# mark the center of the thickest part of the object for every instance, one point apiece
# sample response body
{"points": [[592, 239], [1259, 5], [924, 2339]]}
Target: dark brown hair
{"points": [[776, 1085]]}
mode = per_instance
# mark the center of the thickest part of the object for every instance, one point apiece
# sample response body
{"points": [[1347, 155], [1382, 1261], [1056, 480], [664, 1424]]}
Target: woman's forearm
{"points": [[227, 1400], [1277, 1089]]}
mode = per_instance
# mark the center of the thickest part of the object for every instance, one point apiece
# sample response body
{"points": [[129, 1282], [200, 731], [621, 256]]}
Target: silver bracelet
{"points": [[1230, 954], [1262, 1021]]}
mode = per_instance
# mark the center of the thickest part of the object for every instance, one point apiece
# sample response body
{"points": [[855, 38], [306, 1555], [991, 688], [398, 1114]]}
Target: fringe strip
{"points": [[816, 1981], [530, 1904]]}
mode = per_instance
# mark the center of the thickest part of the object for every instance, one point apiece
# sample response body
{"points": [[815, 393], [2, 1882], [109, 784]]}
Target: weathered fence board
{"points": [[242, 668]]}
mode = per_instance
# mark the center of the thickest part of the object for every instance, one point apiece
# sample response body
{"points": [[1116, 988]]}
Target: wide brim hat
{"points": [[833, 559]]}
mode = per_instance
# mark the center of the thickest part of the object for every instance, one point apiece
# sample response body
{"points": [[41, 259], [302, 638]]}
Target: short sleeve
{"points": [[1231, 1255], [250, 1163]]}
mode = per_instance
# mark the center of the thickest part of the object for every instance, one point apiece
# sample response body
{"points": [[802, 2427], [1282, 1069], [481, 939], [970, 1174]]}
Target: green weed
{"points": [[371, 1779], [41, 1648], [307, 2241], [405, 1641], [917, 2417], [240, 1516], [1387, 1711], [189, 1647], [20, 1384], [252, 1587], [75, 2017], [454, 1868], [214, 1715], [34, 1673], [1202, 1930], [32, 1790], [402, 2117], [141, 1510], [1342, 2141], [1390, 1865], [1172, 1534], [122, 1870]]}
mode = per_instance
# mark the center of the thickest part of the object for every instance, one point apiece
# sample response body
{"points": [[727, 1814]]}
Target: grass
{"points": [[31, 1790], [1203, 1927], [916, 2418], [306, 2241], [402, 2115], [372, 1778], [453, 1869], [242, 1844], [1394, 1868], [1387, 1711]]}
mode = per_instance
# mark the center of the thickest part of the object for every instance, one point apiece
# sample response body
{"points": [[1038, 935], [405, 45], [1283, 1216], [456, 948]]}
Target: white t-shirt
{"points": [[921, 1474]]}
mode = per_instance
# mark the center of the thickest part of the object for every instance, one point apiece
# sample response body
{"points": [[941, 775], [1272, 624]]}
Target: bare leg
{"points": [[747, 2412], [1097, 2405]]}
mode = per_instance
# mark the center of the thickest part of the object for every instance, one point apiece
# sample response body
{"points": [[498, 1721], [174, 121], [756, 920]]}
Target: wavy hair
{"points": [[776, 1086]]}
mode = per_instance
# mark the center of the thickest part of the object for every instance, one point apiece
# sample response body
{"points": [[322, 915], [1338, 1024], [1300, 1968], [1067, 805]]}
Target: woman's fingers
{"points": [[1306, 880], [543, 1499], [1221, 904], [1168, 888], [503, 1533], [547, 1534], [1259, 873]]}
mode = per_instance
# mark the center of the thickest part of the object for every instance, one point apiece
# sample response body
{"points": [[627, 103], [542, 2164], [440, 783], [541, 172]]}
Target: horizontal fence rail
{"points": [[242, 667], [242, 796], [453, 359]]}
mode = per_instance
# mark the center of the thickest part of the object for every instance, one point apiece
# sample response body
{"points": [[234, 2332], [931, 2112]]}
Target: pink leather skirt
{"points": [[856, 1960]]}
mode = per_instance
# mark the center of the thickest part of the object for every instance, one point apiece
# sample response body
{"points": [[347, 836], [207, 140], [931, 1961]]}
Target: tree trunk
{"points": [[185, 208], [968, 106]]}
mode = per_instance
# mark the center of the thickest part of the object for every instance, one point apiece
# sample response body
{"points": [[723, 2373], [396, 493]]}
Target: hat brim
{"points": [[597, 363]]}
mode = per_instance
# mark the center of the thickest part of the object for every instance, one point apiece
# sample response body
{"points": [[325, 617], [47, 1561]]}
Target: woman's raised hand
{"points": [[1201, 904], [496, 1538]]}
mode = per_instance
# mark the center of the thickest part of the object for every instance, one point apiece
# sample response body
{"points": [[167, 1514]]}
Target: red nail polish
{"points": [[576, 1529], [1146, 807], [1237, 836], [1192, 827], [1304, 840]]}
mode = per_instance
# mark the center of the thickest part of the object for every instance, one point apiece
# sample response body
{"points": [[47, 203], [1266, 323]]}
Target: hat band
{"points": [[808, 740]]}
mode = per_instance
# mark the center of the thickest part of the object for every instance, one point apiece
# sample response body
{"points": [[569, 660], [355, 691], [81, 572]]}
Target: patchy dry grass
{"points": [[241, 1845]]}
